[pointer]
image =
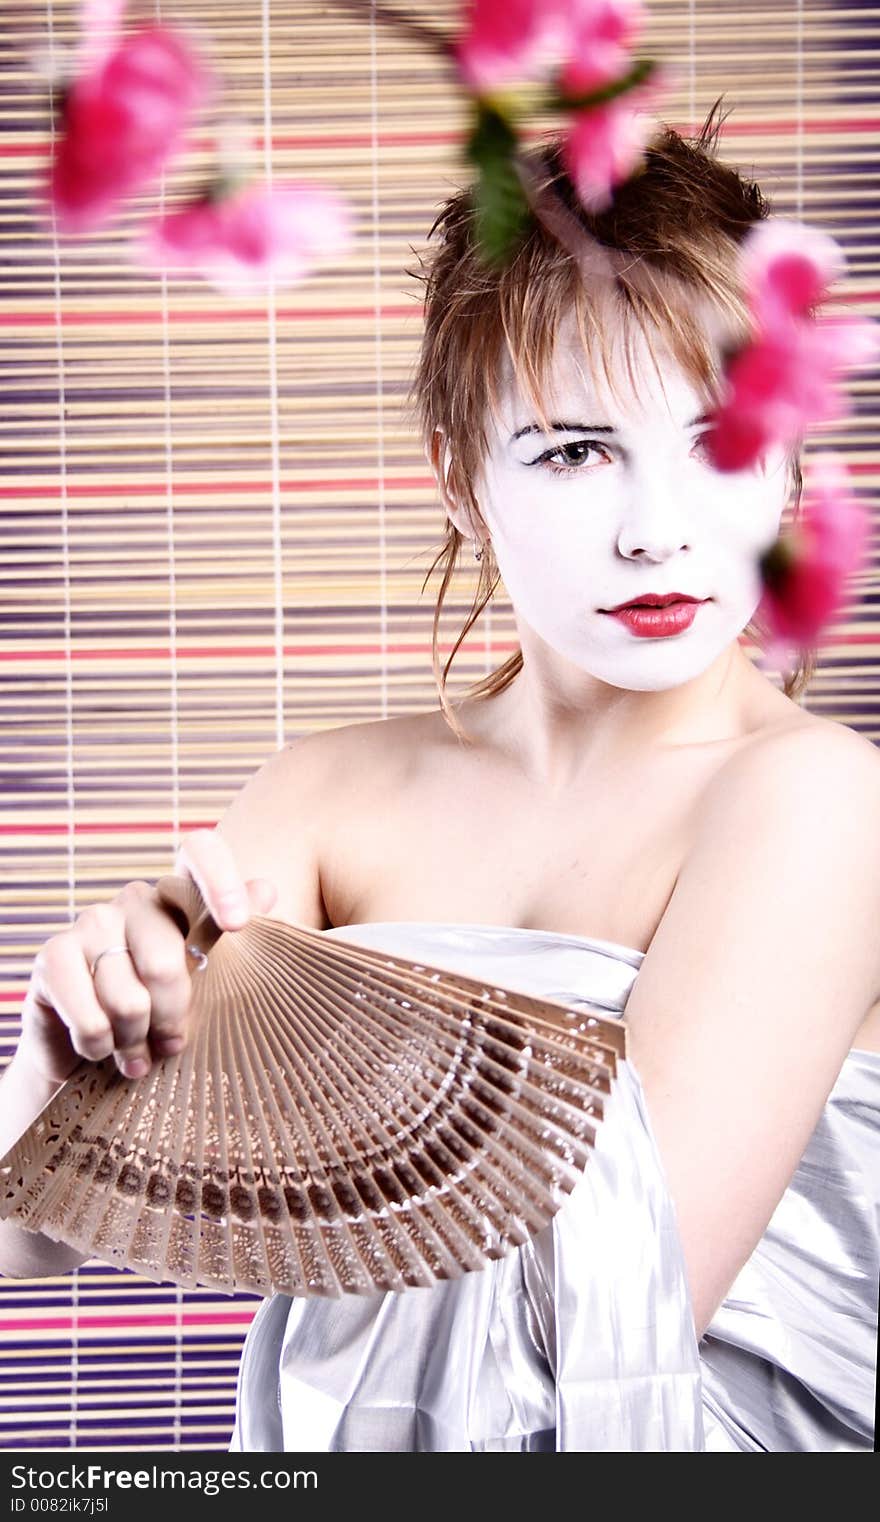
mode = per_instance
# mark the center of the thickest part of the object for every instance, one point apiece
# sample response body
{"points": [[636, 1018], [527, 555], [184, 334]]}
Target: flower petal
{"points": [[122, 123], [236, 241]]}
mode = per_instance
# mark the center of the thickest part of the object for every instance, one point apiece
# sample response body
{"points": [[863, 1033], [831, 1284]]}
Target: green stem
{"points": [[641, 70]]}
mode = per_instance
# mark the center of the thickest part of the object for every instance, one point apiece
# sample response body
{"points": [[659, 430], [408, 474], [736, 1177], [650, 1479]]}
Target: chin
{"points": [[646, 684], [655, 667]]}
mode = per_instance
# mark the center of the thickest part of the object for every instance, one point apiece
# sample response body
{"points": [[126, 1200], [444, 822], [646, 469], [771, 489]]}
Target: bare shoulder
{"points": [[357, 773], [365, 753], [839, 739], [783, 865], [359, 753], [804, 765], [284, 821], [796, 815]]}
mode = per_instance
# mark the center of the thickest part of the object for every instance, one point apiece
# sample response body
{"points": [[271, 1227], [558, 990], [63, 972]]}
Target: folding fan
{"points": [[341, 1121]]}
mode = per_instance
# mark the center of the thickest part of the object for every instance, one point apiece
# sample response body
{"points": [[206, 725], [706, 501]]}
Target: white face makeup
{"points": [[582, 520]]}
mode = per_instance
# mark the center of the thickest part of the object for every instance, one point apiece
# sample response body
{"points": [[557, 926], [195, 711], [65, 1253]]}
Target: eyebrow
{"points": [[704, 417]]}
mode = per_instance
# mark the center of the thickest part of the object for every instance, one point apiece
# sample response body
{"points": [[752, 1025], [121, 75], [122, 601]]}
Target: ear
{"points": [[441, 455]]}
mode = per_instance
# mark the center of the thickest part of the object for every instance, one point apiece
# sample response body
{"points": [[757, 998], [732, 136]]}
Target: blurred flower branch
{"points": [[124, 100]]}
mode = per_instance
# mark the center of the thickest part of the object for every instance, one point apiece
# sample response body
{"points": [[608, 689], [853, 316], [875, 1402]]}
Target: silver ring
{"points": [[202, 960], [105, 953]]}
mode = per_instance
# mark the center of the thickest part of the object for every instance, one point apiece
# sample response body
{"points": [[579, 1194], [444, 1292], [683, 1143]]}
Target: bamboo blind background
{"points": [[215, 526]]}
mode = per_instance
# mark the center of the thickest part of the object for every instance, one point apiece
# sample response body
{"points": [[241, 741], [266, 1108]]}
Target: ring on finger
{"points": [[106, 952]]}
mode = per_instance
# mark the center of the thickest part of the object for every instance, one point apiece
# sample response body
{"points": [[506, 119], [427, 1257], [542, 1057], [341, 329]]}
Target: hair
{"points": [[680, 219]]}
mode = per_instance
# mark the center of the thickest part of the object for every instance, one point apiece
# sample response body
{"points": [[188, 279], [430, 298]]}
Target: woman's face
{"points": [[619, 502]]}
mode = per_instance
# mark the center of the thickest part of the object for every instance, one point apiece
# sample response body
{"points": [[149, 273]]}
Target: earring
{"points": [[478, 553]]}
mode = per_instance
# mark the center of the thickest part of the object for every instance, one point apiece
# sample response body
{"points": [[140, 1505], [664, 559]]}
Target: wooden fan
{"points": [[341, 1121]]}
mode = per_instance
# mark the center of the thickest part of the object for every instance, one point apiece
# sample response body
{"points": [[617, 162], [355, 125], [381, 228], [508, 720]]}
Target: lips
{"points": [[648, 621], [655, 600]]}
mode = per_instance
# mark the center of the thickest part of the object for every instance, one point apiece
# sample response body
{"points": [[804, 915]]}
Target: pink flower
{"points": [[590, 41], [602, 36], [781, 382], [602, 147], [503, 39], [787, 268], [804, 573], [772, 392], [787, 375], [233, 240], [605, 144], [122, 121]]}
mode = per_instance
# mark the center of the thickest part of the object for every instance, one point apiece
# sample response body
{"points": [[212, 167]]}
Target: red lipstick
{"points": [[657, 614]]}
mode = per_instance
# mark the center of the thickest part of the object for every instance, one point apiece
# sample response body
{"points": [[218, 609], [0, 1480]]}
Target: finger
{"points": [[61, 981], [128, 1006], [120, 991], [159, 960], [208, 858]]}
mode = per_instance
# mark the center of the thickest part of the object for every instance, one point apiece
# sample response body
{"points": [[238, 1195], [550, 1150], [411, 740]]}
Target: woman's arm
{"points": [[758, 977]]}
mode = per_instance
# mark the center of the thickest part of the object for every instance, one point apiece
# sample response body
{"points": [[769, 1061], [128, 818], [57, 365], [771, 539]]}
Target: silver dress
{"points": [[583, 1338]]}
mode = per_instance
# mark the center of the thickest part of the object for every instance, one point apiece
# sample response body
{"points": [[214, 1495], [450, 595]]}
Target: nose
{"points": [[655, 521]]}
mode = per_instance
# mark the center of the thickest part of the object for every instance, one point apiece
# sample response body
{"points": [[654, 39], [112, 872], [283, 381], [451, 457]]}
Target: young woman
{"points": [[628, 814]]}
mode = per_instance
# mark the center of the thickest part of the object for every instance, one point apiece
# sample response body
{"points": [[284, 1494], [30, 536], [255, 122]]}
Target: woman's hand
{"points": [[135, 1006]]}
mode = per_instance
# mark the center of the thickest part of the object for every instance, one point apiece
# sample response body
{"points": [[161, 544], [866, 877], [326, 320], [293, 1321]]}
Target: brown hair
{"points": [[680, 220]]}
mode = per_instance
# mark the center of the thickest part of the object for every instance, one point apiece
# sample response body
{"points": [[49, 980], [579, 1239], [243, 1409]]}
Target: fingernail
{"points": [[137, 1068]]}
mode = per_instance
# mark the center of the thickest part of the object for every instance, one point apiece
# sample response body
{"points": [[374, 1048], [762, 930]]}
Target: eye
{"points": [[591, 445], [568, 470]]}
